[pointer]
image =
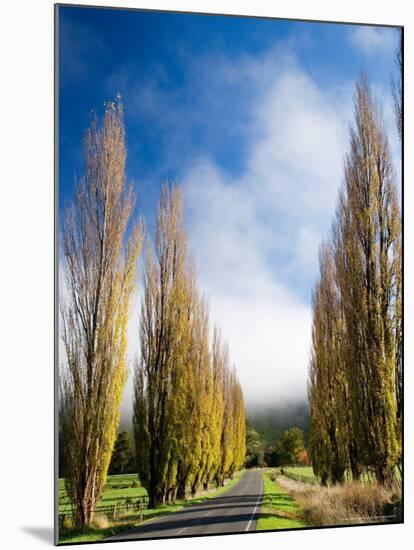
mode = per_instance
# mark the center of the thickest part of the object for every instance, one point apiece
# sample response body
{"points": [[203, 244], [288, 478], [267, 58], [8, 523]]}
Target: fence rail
{"points": [[299, 477], [138, 505], [315, 481]]}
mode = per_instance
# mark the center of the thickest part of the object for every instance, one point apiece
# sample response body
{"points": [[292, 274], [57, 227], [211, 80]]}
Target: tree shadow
{"points": [[170, 525]]}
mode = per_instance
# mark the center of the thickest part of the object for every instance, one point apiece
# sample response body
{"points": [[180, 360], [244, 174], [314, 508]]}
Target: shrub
{"points": [[100, 521], [274, 475], [67, 523], [351, 503]]}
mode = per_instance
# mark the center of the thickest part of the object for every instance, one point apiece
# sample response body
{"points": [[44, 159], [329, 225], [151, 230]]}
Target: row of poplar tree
{"points": [[188, 418], [355, 387]]}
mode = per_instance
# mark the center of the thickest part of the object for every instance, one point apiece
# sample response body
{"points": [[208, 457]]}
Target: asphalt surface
{"points": [[233, 512]]}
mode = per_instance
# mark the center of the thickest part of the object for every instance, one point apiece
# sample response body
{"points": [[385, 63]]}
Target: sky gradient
{"points": [[252, 117]]}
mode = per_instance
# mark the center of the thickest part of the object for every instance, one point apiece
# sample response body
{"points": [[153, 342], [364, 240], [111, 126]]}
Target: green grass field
{"points": [[119, 490], [306, 472], [302, 473], [279, 510]]}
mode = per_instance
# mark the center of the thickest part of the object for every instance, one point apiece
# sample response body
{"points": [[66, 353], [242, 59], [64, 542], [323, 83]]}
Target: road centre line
{"points": [[254, 511]]}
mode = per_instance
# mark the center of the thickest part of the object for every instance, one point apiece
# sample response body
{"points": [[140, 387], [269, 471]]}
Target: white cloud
{"points": [[373, 40], [255, 234]]}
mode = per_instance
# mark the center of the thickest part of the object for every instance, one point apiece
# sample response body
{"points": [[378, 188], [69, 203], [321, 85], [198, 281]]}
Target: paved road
{"points": [[234, 512]]}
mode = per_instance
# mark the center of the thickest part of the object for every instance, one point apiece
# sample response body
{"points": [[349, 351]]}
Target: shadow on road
{"points": [[157, 528]]}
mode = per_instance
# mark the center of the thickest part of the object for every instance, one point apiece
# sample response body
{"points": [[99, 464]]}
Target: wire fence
{"points": [[111, 511], [300, 477], [367, 477]]}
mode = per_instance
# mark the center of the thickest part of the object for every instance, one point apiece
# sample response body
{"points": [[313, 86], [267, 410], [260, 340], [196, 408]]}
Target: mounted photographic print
{"points": [[229, 290]]}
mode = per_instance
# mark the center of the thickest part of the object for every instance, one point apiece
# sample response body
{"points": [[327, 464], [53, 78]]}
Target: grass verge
{"points": [[279, 510], [104, 527], [352, 503]]}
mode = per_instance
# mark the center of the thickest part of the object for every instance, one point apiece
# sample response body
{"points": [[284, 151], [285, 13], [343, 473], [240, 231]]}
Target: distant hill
{"points": [[271, 421]]}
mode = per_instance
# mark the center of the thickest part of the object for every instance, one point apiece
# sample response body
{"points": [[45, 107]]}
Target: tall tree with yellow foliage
{"points": [[163, 343], [327, 386], [368, 265], [355, 374], [239, 442], [99, 273], [179, 382], [215, 425], [233, 429]]}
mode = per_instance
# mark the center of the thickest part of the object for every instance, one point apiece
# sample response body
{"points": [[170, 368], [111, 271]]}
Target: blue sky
{"points": [[252, 117]]}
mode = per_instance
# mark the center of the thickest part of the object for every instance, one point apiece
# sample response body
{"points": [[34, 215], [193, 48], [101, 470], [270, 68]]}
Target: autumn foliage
{"points": [[188, 407], [302, 458], [355, 387], [99, 268], [189, 422]]}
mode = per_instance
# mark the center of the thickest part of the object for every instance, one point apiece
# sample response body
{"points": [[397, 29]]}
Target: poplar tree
{"points": [[163, 329], [239, 427], [226, 431], [233, 430], [201, 440], [329, 435], [99, 272], [188, 407], [397, 91], [356, 367], [187, 399], [369, 266], [217, 410]]}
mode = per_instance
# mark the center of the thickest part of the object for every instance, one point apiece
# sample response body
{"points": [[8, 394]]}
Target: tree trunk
{"points": [[385, 474], [324, 479], [83, 514], [355, 466], [153, 494], [182, 490], [194, 488]]}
